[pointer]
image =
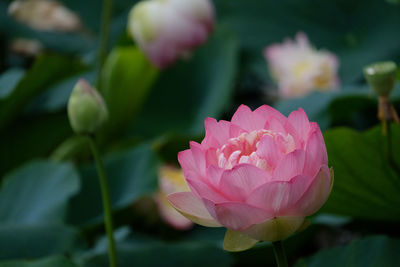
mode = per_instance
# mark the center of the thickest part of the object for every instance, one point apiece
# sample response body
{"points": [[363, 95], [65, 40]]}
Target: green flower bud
{"points": [[381, 77], [86, 109]]}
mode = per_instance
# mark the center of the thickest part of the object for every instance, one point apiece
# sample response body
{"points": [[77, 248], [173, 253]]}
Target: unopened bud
{"points": [[170, 29], [381, 77], [87, 111]]}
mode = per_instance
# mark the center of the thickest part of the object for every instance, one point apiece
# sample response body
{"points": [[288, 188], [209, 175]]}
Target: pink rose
{"points": [[258, 175]]}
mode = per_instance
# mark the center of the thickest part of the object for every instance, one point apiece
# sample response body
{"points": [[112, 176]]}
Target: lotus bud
{"points": [[170, 29], [87, 111], [199, 10], [381, 77]]}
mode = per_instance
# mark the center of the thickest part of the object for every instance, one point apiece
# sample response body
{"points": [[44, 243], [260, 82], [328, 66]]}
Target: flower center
{"points": [[243, 149]]}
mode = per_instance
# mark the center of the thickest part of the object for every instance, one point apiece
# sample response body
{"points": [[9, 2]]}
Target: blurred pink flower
{"points": [[169, 29], [171, 180], [298, 68], [258, 175], [45, 15]]}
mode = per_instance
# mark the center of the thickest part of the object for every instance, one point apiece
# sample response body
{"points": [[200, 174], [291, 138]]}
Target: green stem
{"points": [[280, 254], [104, 36], [106, 202]]}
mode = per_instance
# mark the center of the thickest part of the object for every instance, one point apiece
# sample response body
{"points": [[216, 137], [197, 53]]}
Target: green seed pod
{"points": [[381, 77], [87, 111]]}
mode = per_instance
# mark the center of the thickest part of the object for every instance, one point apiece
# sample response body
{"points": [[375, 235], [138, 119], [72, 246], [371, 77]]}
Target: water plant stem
{"points": [[280, 254], [106, 201]]}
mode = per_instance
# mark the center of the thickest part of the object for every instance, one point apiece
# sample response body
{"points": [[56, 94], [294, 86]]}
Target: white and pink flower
{"points": [[169, 29], [298, 68], [259, 175]]}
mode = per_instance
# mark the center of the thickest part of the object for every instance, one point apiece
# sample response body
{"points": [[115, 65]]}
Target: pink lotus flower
{"points": [[299, 68], [171, 180], [169, 29], [258, 175]]}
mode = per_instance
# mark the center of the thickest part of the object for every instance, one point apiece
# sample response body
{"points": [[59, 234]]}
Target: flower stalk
{"points": [[381, 76], [280, 254], [106, 201]]}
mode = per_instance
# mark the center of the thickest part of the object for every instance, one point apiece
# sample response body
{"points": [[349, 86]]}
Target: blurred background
{"points": [[50, 202]]}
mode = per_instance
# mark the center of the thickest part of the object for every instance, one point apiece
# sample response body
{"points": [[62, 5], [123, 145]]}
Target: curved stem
{"points": [[106, 202], [104, 36], [280, 254]]}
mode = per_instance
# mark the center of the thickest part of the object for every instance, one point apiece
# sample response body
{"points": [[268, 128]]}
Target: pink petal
{"points": [[238, 216], [274, 124], [247, 120], [199, 157], [289, 129], [214, 174], [291, 165], [170, 215], [315, 153], [203, 190], [267, 112], [278, 196], [239, 182], [192, 208], [268, 149], [186, 161], [209, 141], [300, 122], [211, 157], [235, 131], [218, 131], [315, 195]]}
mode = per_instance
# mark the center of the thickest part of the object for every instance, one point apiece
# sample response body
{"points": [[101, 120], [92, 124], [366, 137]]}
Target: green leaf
{"points": [[35, 241], [8, 81], [126, 80], [59, 261], [56, 97], [32, 137], [47, 70], [131, 175], [37, 192], [396, 2], [350, 106], [168, 254], [366, 186], [369, 251], [193, 90], [315, 105]]}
